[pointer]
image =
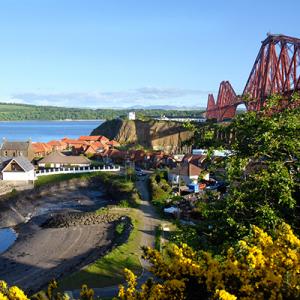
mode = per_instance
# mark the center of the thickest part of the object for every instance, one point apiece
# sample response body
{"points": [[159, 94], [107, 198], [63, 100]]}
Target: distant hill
{"points": [[18, 112], [168, 107]]}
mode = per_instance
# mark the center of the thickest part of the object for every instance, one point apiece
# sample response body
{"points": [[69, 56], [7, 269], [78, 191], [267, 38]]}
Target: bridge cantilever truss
{"points": [[225, 106], [276, 70]]}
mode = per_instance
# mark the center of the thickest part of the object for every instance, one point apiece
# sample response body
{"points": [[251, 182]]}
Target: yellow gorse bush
{"points": [[258, 267], [11, 293]]}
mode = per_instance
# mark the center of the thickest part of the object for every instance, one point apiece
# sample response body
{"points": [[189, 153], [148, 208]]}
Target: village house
{"points": [[94, 138], [71, 143], [113, 144], [58, 160], [189, 170], [96, 147], [17, 169], [198, 160], [58, 145], [41, 149], [187, 173], [78, 147], [13, 149], [113, 156]]}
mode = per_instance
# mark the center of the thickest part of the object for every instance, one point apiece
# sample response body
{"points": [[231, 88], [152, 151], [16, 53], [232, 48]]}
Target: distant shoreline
{"points": [[67, 120]]}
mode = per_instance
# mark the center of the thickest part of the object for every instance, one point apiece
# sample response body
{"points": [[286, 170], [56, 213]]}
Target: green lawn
{"points": [[50, 179], [108, 270]]}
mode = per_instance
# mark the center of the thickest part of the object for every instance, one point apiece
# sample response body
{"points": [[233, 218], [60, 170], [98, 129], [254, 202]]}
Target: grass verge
{"points": [[108, 270], [50, 179], [158, 233]]}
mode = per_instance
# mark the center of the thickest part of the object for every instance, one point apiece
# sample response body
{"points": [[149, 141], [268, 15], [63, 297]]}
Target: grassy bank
{"points": [[108, 270], [117, 186], [52, 179]]}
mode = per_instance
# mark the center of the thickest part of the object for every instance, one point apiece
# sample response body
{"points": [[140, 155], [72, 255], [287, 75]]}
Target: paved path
{"points": [[147, 224]]}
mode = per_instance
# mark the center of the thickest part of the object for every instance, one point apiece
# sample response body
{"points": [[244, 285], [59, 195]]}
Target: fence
{"points": [[72, 170]]}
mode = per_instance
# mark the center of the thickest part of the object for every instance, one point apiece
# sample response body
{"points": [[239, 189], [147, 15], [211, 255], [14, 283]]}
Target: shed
{"points": [[17, 168]]}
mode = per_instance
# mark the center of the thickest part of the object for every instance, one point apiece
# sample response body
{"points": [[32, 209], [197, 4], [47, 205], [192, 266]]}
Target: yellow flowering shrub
{"points": [[3, 297], [170, 290], [11, 293], [86, 293], [223, 295], [258, 267]]}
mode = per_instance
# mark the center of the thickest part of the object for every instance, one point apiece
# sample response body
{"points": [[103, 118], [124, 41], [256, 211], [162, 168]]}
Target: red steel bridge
{"points": [[276, 70]]}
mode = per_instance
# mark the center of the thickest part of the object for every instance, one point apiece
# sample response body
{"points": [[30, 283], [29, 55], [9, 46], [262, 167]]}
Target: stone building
{"points": [[13, 149]]}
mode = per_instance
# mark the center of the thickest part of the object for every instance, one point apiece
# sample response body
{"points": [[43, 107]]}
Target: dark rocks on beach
{"points": [[62, 220]]}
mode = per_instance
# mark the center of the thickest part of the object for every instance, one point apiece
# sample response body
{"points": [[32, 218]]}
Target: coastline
{"points": [[63, 250], [61, 120]]}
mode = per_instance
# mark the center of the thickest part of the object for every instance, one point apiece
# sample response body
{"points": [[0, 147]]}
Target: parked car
{"points": [[217, 185], [141, 173]]}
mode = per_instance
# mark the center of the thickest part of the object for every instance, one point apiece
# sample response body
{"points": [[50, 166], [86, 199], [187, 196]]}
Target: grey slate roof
{"points": [[21, 146], [59, 158], [22, 161]]}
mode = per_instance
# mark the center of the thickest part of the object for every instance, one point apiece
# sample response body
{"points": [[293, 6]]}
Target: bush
{"points": [[159, 188], [257, 267], [158, 233], [124, 203], [120, 228]]}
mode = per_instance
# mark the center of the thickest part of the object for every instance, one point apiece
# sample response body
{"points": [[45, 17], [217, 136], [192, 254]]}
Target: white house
{"points": [[188, 173], [215, 153], [131, 115], [17, 169]]}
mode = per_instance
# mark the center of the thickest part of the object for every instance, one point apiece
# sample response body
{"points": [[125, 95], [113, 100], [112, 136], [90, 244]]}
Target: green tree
{"points": [[263, 174]]}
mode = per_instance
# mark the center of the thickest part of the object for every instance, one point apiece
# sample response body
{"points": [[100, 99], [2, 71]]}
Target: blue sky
{"points": [[123, 53]]}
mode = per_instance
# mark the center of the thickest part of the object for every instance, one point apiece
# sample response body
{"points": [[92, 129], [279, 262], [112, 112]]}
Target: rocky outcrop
{"points": [[76, 219], [154, 134]]}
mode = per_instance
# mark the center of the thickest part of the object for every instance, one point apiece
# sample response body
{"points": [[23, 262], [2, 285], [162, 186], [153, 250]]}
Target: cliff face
{"points": [[158, 135]]}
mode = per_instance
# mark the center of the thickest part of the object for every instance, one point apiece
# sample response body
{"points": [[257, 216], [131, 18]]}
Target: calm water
{"points": [[45, 131], [7, 238]]}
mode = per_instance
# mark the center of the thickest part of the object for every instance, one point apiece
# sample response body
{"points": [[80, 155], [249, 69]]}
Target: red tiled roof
{"points": [[91, 150], [195, 159], [114, 153], [54, 143], [187, 170], [75, 142], [97, 145], [41, 148], [89, 138], [113, 143], [93, 138]]}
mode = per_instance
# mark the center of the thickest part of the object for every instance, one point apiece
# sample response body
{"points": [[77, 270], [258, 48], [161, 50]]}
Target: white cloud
{"points": [[142, 96]]}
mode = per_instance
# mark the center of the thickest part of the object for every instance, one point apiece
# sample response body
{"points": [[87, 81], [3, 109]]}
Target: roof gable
{"points": [[22, 162], [21, 146]]}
